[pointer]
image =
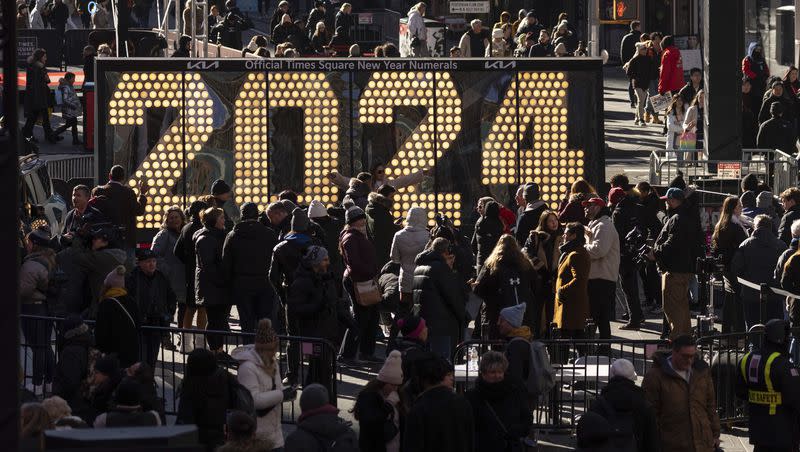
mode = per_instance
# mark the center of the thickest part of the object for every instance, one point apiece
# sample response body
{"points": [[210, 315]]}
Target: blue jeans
{"points": [[37, 337], [651, 91], [254, 305]]}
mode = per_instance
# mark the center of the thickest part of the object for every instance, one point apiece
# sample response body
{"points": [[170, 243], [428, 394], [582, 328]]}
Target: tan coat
{"points": [[686, 412], [572, 291]]}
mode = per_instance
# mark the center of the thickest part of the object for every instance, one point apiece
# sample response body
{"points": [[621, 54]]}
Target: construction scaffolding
{"points": [[199, 34]]}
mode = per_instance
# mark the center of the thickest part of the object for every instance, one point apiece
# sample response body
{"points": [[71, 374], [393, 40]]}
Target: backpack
{"points": [[240, 398], [345, 442], [541, 376], [623, 426]]}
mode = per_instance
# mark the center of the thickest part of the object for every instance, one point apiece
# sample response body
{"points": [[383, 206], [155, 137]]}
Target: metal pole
{"points": [[191, 3], [9, 230]]}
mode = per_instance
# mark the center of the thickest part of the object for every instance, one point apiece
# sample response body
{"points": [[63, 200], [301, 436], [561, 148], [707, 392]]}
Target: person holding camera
{"points": [[260, 373]]}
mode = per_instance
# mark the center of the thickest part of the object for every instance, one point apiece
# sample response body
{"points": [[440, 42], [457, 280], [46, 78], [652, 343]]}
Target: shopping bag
{"points": [[687, 141], [660, 102]]}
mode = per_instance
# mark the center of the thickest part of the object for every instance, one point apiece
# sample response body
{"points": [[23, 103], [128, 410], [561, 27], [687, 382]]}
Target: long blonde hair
{"points": [[507, 250]]}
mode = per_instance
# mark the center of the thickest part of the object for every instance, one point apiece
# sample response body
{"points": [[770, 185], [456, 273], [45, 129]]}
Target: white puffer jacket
{"points": [[267, 391], [407, 243], [603, 247]]}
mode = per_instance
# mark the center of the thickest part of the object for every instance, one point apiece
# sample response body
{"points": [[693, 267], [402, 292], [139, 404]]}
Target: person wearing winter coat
{"points": [[676, 250], [502, 418], [440, 420], [211, 287], [185, 253], [790, 199], [94, 265], [361, 265], [498, 47], [259, 372], [406, 245], [441, 298], [205, 397], [563, 35], [671, 76], [163, 246], [285, 31], [787, 271], [777, 97], [572, 284], [380, 223], [70, 107], [196, 28], [331, 226], [602, 245], [728, 234], [128, 205], [316, 16], [418, 30], [37, 100], [287, 254], [117, 320], [376, 408], [518, 352], [627, 50], [755, 68], [755, 261], [488, 230], [676, 116], [127, 410], [626, 399], [155, 300], [507, 279], [344, 19], [571, 208], [777, 132], [680, 390], [528, 219], [101, 19], [72, 368], [639, 70], [475, 40], [542, 250], [246, 256], [319, 424]]}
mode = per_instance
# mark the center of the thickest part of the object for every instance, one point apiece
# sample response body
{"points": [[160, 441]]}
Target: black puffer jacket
{"points": [[154, 297], [627, 215], [286, 260], [439, 294], [211, 289], [381, 225], [72, 369], [184, 251], [246, 255], [724, 246], [488, 230], [625, 397], [504, 286], [755, 261], [680, 243], [785, 229], [204, 401], [389, 283], [318, 429], [116, 328], [509, 406], [374, 412], [313, 300]]}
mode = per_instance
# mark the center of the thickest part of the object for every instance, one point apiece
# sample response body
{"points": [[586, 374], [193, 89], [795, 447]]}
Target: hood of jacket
{"points": [[752, 47], [660, 361], [298, 239], [413, 14], [764, 200], [323, 422], [248, 228], [429, 257], [358, 189], [417, 218], [378, 199], [246, 353]]}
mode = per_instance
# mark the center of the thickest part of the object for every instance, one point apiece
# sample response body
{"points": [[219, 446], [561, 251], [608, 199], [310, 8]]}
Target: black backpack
{"points": [[345, 442], [623, 426]]}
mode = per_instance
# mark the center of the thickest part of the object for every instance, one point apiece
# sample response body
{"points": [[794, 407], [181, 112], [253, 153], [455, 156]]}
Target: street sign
{"points": [[469, 7], [729, 170], [365, 19]]}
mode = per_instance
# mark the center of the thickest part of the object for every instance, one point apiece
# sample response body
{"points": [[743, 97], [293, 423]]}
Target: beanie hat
{"points": [[616, 195], [315, 255], [299, 220], [622, 368], [497, 33], [39, 237], [116, 277], [386, 190], [220, 187], [392, 370], [531, 192], [249, 211], [127, 393], [266, 339], [201, 363], [73, 326], [196, 207], [354, 214], [317, 210], [411, 326], [417, 217], [107, 364], [514, 314], [314, 396]]}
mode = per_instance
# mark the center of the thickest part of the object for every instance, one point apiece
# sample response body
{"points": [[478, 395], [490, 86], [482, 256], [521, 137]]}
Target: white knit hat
{"points": [[623, 368], [392, 370], [316, 209]]}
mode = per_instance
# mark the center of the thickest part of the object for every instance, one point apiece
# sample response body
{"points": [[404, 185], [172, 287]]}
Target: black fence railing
{"points": [[310, 360]]}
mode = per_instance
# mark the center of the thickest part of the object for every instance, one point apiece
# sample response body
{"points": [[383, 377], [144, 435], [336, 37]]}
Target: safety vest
{"points": [[750, 374]]}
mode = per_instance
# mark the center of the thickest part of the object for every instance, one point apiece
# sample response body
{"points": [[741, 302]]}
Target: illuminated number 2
{"points": [[543, 101], [162, 167], [387, 90]]}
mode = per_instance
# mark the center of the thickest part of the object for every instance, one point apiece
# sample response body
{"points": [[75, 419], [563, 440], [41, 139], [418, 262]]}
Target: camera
{"points": [[709, 265], [636, 246]]}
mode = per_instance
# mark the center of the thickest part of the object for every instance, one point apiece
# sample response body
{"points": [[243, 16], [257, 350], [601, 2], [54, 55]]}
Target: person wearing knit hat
{"points": [[317, 414], [528, 219], [316, 210], [117, 320], [317, 257], [249, 211], [615, 195], [220, 190], [354, 214], [513, 315], [622, 368], [127, 408], [299, 220], [376, 397], [387, 190]]}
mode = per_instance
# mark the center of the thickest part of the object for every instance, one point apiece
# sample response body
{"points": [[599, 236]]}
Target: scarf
{"points": [[115, 292], [569, 247], [524, 332]]}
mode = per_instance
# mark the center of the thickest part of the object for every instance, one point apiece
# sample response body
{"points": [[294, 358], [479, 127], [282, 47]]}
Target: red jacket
{"points": [[671, 78], [748, 70]]}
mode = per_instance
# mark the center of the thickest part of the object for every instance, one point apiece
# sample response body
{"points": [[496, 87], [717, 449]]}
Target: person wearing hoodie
{"points": [[72, 368], [621, 397], [518, 352], [246, 256], [185, 253], [406, 245], [507, 279], [680, 390], [319, 425], [529, 218], [729, 233], [502, 418], [358, 190], [361, 265], [37, 102], [259, 372], [602, 245], [572, 283], [211, 287], [776, 132], [117, 320], [488, 230], [380, 223], [790, 199], [442, 299], [205, 397], [376, 408], [755, 68], [331, 226], [776, 96], [418, 31], [755, 261]]}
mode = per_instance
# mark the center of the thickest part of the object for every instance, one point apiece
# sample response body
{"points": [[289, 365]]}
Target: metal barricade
{"points": [[76, 167], [723, 353], [312, 359], [581, 371]]}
